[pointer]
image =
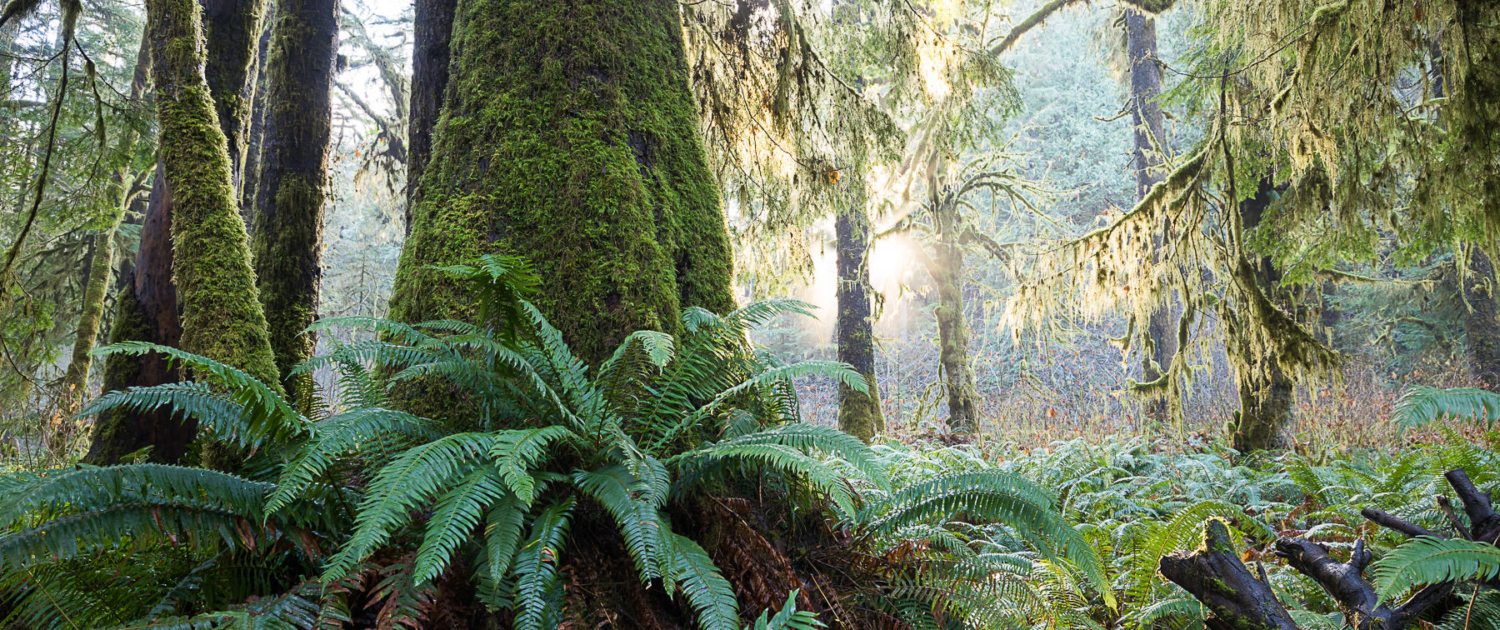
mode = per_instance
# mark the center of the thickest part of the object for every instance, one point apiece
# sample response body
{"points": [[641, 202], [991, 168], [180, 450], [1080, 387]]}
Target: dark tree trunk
{"points": [[146, 310], [570, 136], [1482, 321], [256, 135], [859, 414], [432, 30], [1266, 391], [294, 158], [232, 30], [1146, 161], [1236, 599]]}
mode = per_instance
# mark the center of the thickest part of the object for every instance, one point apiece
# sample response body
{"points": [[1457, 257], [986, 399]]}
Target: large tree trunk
{"points": [[1482, 321], [1266, 391], [432, 31], [221, 315], [1146, 160], [294, 157], [75, 380], [571, 137], [953, 337], [859, 414], [232, 30], [149, 308]]}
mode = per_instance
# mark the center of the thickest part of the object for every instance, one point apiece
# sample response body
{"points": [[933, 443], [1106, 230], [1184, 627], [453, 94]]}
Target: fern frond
{"points": [[705, 588], [456, 514], [1423, 405], [536, 566], [1427, 560], [627, 499], [515, 453], [410, 480], [343, 434]]}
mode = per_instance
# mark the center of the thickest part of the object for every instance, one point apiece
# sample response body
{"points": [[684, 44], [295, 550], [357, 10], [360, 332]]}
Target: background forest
{"points": [[798, 314]]}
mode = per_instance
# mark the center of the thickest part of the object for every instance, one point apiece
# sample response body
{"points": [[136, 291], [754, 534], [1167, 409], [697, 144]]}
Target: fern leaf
{"points": [[627, 499], [457, 513], [1427, 560], [536, 566], [516, 452], [705, 588], [1423, 405]]}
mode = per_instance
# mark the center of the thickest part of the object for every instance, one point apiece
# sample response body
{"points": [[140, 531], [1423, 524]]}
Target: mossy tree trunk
{"points": [[292, 187], [149, 308], [1266, 391], [953, 339], [570, 136], [432, 38], [1146, 160], [859, 414], [145, 310], [221, 314], [1482, 321]]}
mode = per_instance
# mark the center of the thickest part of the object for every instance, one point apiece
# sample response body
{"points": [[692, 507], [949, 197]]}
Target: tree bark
{"points": [[149, 310], [257, 131], [1482, 321], [292, 186], [570, 136], [953, 336], [221, 318], [432, 30], [859, 414], [231, 31], [1266, 391], [1147, 159]]}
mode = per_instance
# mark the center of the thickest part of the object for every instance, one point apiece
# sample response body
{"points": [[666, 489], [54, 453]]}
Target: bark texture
{"points": [[859, 413], [257, 130], [293, 181], [231, 32], [570, 136], [221, 315], [1266, 391], [146, 310], [953, 336], [432, 31], [1482, 321]]}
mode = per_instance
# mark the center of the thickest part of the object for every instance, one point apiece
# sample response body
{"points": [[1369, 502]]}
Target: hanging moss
{"points": [[221, 313], [291, 188], [570, 137]]}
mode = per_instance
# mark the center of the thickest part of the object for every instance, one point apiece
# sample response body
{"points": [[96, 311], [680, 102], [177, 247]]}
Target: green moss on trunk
{"points": [[859, 413], [291, 189], [569, 136], [222, 317]]}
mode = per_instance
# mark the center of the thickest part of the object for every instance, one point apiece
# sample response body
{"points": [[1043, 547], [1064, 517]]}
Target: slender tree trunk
{"points": [[570, 136], [859, 414], [432, 30], [947, 273], [75, 380], [256, 135], [1147, 160], [232, 30], [1266, 391], [292, 188], [1482, 321]]}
